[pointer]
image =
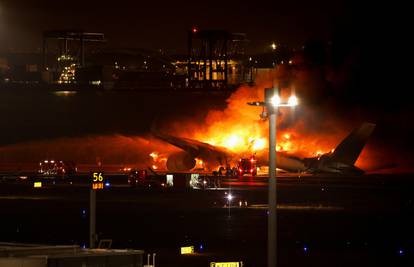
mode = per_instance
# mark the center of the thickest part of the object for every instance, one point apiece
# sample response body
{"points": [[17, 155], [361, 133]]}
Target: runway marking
{"points": [[297, 207], [29, 198], [245, 183]]}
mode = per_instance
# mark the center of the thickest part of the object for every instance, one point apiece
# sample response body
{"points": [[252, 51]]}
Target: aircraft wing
{"points": [[196, 148]]}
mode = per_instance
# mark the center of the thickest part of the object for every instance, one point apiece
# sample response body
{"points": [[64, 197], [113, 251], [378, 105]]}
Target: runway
{"points": [[335, 218]]}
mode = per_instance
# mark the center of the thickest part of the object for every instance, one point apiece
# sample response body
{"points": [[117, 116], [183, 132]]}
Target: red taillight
{"points": [[251, 170]]}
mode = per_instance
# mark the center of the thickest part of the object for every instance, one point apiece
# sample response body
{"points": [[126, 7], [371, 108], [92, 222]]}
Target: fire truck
{"points": [[54, 168], [137, 177], [247, 166]]}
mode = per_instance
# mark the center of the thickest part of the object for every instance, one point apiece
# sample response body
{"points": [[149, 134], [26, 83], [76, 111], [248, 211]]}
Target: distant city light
{"points": [[97, 82], [274, 46]]}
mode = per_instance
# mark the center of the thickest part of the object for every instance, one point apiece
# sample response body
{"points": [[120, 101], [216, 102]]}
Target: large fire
{"points": [[304, 131], [239, 127]]}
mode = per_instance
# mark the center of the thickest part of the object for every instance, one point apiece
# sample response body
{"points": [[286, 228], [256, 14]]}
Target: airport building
{"points": [[17, 255], [77, 60]]}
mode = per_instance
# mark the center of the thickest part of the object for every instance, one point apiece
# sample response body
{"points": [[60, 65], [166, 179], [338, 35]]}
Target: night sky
{"points": [[368, 41], [163, 24]]}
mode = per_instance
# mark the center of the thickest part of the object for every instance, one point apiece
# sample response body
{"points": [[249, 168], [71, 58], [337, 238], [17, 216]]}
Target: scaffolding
{"points": [[209, 54], [71, 51]]}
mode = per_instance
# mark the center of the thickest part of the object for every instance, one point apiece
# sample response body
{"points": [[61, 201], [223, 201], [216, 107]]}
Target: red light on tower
{"points": [[195, 30]]}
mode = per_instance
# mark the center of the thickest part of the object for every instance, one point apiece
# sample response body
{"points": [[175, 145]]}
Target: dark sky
{"points": [[163, 24], [369, 43]]}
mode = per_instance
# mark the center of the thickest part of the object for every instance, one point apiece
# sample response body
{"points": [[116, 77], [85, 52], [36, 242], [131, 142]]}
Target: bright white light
{"points": [[233, 141], [293, 101], [275, 100], [258, 144], [229, 197]]}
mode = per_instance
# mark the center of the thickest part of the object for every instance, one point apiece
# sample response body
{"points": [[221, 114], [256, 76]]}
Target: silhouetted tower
{"points": [[209, 52], [68, 38]]}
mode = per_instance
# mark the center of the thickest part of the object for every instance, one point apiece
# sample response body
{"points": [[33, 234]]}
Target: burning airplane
{"points": [[306, 138], [339, 161]]}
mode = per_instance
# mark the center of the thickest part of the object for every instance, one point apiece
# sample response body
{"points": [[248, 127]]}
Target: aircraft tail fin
{"points": [[349, 149]]}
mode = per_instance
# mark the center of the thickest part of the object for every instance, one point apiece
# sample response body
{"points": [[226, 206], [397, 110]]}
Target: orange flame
{"points": [[240, 129], [199, 163], [158, 161]]}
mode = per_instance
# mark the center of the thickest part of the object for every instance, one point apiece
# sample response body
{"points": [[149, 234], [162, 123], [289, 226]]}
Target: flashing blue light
{"points": [[83, 245], [83, 214], [305, 248], [401, 252], [107, 184], [201, 246]]}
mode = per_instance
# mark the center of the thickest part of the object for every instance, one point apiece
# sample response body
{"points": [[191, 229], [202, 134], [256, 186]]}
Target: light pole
{"points": [[272, 102], [92, 218], [229, 198], [271, 219]]}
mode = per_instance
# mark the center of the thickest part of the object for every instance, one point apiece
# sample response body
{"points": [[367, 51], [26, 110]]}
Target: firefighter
{"points": [[234, 172], [229, 171], [220, 171]]}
